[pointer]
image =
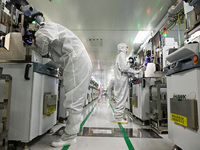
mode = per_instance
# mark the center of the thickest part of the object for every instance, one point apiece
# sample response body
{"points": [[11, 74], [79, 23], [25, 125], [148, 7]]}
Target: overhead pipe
{"points": [[171, 11]]}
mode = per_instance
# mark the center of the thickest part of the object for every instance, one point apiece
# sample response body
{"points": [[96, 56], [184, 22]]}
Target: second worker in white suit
{"points": [[110, 87], [121, 87], [67, 50]]}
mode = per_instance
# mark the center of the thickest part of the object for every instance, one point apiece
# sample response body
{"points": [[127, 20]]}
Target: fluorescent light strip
{"points": [[141, 36]]}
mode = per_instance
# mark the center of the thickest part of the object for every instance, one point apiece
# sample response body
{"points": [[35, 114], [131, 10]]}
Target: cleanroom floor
{"points": [[99, 132]]}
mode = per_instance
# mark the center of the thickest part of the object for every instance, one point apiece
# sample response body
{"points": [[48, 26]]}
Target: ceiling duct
{"points": [[95, 42]]}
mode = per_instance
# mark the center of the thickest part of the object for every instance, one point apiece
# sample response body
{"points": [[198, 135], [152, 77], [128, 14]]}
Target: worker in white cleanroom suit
{"points": [[67, 50], [122, 68], [110, 87]]}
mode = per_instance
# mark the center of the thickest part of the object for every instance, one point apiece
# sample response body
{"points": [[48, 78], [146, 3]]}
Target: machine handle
{"points": [[28, 66], [143, 83]]}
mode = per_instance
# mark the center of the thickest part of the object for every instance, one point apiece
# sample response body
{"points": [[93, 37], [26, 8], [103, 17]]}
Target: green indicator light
{"points": [[131, 40], [33, 22], [180, 100], [138, 25], [161, 8], [164, 32], [149, 26]]}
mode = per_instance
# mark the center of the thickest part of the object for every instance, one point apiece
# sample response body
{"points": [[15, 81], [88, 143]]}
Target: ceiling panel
{"points": [[101, 14]]}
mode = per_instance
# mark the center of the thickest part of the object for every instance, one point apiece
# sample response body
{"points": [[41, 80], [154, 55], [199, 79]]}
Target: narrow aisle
{"points": [[102, 116], [100, 131]]}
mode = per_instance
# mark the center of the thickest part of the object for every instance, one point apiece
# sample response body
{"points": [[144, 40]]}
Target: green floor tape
{"points": [[66, 147], [82, 124], [126, 138]]}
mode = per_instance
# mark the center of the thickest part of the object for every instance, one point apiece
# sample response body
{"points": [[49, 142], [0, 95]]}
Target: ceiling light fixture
{"points": [[141, 36]]}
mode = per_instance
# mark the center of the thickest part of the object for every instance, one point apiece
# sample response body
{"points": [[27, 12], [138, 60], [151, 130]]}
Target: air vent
{"points": [[96, 42]]}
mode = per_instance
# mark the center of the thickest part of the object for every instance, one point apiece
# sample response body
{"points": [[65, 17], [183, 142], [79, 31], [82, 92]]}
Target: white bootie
{"points": [[66, 136], [122, 121], [66, 139], [61, 143]]}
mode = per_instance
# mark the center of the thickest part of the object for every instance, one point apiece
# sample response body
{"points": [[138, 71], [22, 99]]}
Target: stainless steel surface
{"points": [[193, 31], [135, 100], [183, 52], [2, 29], [116, 132], [130, 98], [158, 107], [5, 109], [16, 49], [27, 120], [179, 85], [50, 102], [186, 108], [11, 18]]}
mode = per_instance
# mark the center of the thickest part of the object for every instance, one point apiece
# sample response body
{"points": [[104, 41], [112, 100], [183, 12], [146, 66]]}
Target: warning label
{"points": [[50, 110], [179, 119]]}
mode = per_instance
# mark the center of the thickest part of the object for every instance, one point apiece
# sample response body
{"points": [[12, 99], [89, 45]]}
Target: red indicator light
{"points": [[195, 59], [164, 32], [148, 11], [176, 3], [137, 80]]}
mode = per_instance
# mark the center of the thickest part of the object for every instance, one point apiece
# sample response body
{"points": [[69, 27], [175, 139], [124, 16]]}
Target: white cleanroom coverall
{"points": [[122, 69], [67, 50]]}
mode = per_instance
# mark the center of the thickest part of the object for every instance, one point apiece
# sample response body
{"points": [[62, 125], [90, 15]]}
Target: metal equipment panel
{"points": [[16, 49], [135, 101], [21, 94], [184, 112], [49, 105]]}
